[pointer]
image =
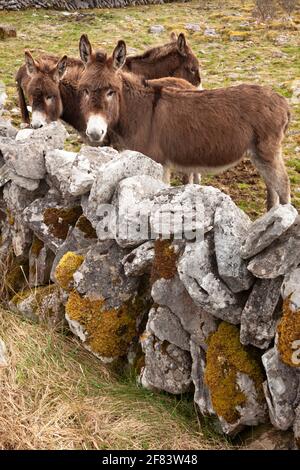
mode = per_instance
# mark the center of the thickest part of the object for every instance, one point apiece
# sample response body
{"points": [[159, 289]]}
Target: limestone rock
{"points": [[259, 316], [230, 226], [291, 288], [167, 367], [43, 305], [163, 324], [172, 294], [59, 165], [7, 129], [280, 257], [86, 165], [3, 356], [265, 437], [198, 272], [128, 164], [202, 395], [51, 220], [296, 427], [280, 390], [131, 199], [156, 29], [101, 276], [139, 261], [268, 228], [40, 264]]}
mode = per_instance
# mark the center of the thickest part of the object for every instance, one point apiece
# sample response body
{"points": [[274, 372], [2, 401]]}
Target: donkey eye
{"points": [[50, 98], [85, 92], [110, 93]]}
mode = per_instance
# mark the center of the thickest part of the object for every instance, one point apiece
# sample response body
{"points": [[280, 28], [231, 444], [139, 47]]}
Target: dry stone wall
{"points": [[72, 4], [206, 302]]}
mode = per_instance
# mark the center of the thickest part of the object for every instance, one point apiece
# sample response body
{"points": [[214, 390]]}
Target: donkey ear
{"points": [[85, 48], [61, 68], [119, 55], [181, 44], [30, 63], [173, 36]]}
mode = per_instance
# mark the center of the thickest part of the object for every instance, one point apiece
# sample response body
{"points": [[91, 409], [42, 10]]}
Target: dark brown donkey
{"points": [[205, 131], [50, 83]]}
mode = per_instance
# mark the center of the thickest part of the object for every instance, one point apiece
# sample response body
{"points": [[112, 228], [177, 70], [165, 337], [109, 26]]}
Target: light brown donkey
{"points": [[206, 131]]}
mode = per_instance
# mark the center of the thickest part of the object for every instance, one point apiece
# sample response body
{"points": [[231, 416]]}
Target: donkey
{"points": [[50, 84], [206, 131], [174, 59]]}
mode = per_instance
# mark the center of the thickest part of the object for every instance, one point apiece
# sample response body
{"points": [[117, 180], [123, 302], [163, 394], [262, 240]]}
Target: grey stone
{"points": [[195, 27], [198, 272], [202, 394], [133, 209], [101, 276], [259, 317], [291, 288], [59, 165], [86, 167], [5, 174], [139, 261], [167, 367], [280, 257], [280, 390], [163, 324], [296, 427], [25, 183], [156, 29], [230, 226], [128, 164], [268, 228], [40, 264], [6, 128], [172, 294], [210, 32], [266, 437]]}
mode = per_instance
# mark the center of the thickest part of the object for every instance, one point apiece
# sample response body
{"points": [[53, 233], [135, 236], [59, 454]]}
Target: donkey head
{"points": [[187, 64], [100, 88], [43, 89]]}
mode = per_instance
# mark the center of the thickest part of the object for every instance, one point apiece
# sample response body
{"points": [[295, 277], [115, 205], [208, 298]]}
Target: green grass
{"points": [[254, 60]]}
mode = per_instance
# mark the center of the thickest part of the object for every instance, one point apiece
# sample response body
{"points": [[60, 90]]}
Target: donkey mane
{"points": [[154, 54]]}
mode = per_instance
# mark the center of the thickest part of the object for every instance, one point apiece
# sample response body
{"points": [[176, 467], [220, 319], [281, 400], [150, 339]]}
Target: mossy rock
{"points": [[109, 331], [59, 220], [226, 357], [85, 226], [165, 260], [65, 269], [289, 335]]}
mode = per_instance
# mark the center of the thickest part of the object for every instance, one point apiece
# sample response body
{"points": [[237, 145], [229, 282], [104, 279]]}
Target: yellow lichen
{"points": [[65, 269], [164, 264], [289, 336], [110, 331], [226, 356], [60, 220]]}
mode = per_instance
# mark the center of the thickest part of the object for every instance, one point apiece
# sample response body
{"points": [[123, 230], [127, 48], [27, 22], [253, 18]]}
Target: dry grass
{"points": [[54, 395]]}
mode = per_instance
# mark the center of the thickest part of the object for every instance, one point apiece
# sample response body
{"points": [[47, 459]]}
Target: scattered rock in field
{"points": [[195, 27], [296, 92], [210, 32], [156, 29], [238, 35], [7, 31]]}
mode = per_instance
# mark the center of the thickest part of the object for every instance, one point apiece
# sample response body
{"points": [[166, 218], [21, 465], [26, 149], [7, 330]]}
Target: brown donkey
{"points": [[50, 83], [206, 131]]}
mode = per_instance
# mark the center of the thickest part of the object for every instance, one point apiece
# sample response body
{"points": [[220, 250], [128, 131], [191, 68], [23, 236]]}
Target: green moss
{"points": [[288, 333], [65, 269], [85, 226], [226, 356], [110, 331], [60, 220], [164, 264]]}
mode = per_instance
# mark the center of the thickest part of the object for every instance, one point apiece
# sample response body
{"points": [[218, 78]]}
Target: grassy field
{"points": [[268, 55], [55, 395]]}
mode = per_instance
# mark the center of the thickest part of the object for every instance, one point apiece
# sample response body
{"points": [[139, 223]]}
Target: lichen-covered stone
{"points": [[172, 294], [259, 317], [139, 261], [234, 377], [42, 304], [167, 367], [65, 269], [280, 257], [198, 272], [280, 390], [166, 254], [163, 324], [288, 343], [106, 332], [101, 275], [230, 227], [291, 288], [268, 228], [59, 165]]}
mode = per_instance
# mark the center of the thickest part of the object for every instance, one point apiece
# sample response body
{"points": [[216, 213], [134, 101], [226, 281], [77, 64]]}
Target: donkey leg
{"points": [[167, 175], [272, 169], [197, 178]]}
